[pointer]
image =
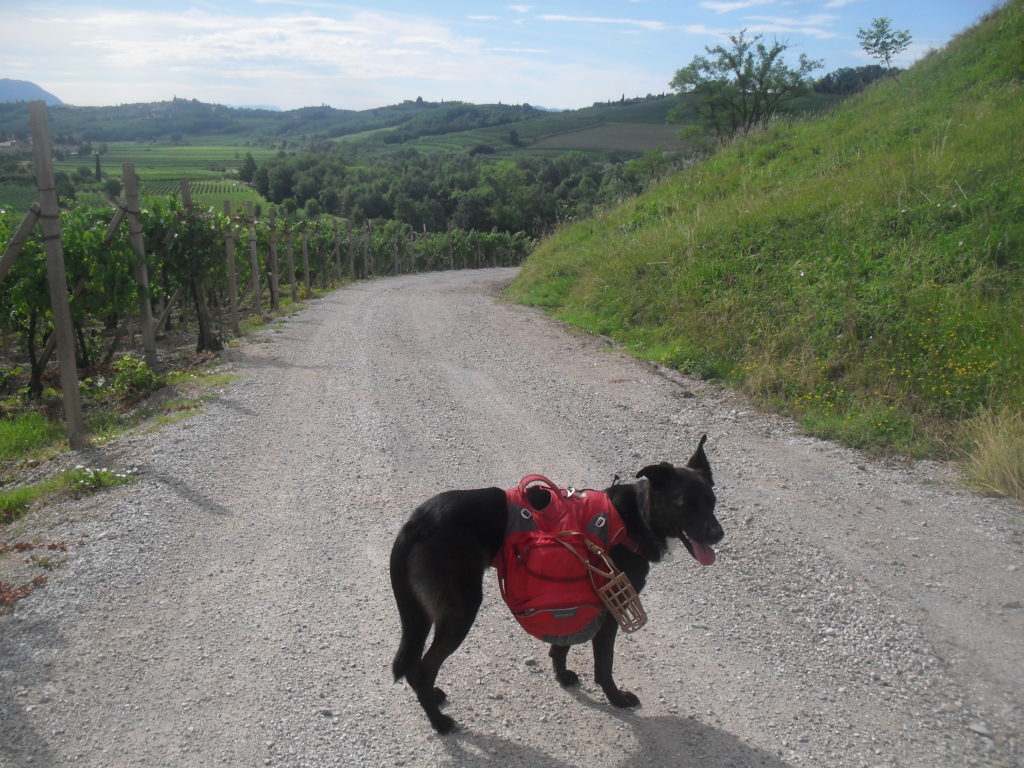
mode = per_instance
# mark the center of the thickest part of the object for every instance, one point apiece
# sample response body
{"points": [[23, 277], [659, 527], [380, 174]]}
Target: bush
{"points": [[133, 377]]}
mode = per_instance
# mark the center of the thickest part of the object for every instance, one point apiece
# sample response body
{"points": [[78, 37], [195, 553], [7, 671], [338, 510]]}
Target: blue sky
{"points": [[293, 53]]}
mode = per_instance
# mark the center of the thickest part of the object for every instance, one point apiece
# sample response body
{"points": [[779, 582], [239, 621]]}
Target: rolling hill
{"points": [[863, 271]]}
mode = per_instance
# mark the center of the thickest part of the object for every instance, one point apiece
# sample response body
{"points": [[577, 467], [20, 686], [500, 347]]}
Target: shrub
{"points": [[133, 377]]}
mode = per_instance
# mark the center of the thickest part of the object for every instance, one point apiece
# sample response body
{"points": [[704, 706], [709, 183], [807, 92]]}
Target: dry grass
{"points": [[994, 452]]}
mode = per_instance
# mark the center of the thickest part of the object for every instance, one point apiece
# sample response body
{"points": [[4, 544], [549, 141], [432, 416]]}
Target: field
{"points": [[156, 161], [626, 137], [160, 169], [16, 197]]}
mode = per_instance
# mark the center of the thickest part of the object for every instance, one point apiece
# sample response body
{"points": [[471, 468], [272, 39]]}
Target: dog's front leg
{"points": [[565, 676], [604, 659]]}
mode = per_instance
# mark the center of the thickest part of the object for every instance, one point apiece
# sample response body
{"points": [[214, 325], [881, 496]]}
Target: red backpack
{"points": [[552, 563]]}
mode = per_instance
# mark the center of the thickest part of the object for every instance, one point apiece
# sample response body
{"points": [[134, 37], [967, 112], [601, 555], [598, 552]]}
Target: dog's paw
{"points": [[443, 724], [440, 697], [567, 678], [624, 699]]}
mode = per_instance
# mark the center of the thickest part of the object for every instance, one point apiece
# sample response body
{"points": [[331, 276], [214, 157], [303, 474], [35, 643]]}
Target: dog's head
{"points": [[682, 504]]}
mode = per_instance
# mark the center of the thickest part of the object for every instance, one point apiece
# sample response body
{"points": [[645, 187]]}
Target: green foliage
{"points": [[881, 42], [849, 80], [743, 86], [133, 377], [863, 272], [434, 192]]}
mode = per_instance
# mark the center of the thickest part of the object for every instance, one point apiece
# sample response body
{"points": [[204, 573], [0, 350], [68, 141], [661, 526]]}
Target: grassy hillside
{"points": [[863, 271]]}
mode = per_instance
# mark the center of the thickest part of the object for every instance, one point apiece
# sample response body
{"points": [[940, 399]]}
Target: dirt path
{"points": [[232, 608]]}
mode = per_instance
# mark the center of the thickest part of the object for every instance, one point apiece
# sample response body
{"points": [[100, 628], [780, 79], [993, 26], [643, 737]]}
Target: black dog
{"points": [[441, 553]]}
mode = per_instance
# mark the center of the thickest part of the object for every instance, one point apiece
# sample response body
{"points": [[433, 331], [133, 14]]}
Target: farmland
{"points": [[162, 161], [160, 169], [630, 127], [625, 137]]}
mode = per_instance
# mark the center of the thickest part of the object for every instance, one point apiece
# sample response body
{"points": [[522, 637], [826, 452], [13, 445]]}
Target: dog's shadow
{"points": [[683, 742], [666, 740]]}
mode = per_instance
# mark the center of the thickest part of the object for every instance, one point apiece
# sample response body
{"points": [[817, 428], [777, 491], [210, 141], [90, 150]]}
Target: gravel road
{"points": [[233, 607]]}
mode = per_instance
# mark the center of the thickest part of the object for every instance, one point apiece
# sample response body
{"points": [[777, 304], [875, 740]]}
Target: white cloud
{"points": [[652, 25], [813, 26], [517, 50], [521, 8], [719, 6], [840, 3]]}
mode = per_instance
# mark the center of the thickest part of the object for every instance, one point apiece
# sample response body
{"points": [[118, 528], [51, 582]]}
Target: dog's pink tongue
{"points": [[704, 555]]}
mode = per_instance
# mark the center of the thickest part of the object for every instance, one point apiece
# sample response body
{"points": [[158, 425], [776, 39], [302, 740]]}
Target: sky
{"points": [[552, 53]]}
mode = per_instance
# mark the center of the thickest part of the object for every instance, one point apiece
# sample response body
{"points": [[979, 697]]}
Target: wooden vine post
{"points": [[207, 338], [336, 253], [275, 286], [20, 238], [56, 277], [305, 263], [229, 246], [254, 261], [351, 240], [290, 253], [139, 268], [367, 244]]}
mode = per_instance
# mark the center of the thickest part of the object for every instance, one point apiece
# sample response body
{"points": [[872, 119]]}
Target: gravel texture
{"points": [[233, 606]]}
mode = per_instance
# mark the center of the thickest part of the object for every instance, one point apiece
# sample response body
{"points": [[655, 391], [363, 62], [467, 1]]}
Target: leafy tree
{"points": [[848, 80], [248, 169], [882, 42], [744, 85]]}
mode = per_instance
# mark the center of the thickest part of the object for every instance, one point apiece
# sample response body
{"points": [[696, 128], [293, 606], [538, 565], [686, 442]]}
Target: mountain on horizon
{"points": [[23, 90]]}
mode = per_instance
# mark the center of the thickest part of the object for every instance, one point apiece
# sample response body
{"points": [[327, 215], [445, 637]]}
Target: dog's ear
{"points": [[699, 461], [657, 473]]}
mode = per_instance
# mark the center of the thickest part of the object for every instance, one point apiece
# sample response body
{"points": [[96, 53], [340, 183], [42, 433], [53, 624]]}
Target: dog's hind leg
{"points": [[565, 676], [449, 632]]}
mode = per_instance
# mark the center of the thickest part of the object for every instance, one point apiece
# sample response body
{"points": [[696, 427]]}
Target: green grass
{"points": [[74, 482], [28, 435], [863, 271]]}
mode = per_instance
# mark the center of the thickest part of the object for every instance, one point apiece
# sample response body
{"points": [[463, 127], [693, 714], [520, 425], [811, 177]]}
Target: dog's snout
{"points": [[715, 533]]}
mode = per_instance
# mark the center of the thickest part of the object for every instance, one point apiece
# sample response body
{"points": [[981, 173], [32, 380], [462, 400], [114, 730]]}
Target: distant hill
{"points": [[23, 90], [192, 121]]}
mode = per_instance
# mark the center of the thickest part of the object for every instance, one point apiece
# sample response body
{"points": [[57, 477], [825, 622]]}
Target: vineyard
{"points": [[168, 161], [17, 196], [210, 193], [206, 270]]}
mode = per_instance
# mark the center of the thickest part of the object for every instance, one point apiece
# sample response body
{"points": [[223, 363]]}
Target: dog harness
{"points": [[546, 565]]}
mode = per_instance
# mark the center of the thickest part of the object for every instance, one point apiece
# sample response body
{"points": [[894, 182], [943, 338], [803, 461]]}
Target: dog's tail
{"points": [[414, 619]]}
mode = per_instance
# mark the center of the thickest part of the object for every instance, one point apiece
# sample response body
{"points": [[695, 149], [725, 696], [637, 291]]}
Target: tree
{"points": [[248, 169], [848, 80], [882, 42], [742, 86]]}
